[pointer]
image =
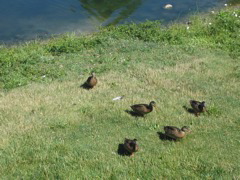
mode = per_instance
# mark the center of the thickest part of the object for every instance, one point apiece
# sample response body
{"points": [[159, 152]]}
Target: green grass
{"points": [[52, 129]]}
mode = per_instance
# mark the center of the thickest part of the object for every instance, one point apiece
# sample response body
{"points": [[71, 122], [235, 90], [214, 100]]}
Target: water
{"points": [[29, 19]]}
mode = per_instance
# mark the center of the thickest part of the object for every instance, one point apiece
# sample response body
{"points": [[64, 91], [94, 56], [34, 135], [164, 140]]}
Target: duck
{"points": [[91, 81], [176, 133], [198, 106], [130, 146], [142, 109]]}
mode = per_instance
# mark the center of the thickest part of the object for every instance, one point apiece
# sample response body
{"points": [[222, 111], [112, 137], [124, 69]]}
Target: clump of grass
{"points": [[225, 31], [214, 111], [73, 44]]}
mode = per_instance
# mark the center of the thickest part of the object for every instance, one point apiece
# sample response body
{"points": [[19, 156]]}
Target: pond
{"points": [[29, 19]]}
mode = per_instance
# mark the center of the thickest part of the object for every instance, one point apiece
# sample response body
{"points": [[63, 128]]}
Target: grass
{"points": [[53, 129]]}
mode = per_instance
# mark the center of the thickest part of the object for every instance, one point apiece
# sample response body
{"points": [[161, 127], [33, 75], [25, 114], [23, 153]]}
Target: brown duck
{"points": [[90, 82], [176, 133], [198, 107], [131, 146], [142, 109]]}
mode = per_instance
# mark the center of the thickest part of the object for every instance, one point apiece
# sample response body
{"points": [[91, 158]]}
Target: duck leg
{"points": [[196, 113], [207, 112], [132, 154]]}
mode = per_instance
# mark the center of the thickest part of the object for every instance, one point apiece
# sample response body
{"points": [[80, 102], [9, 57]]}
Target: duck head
{"points": [[185, 129], [153, 103]]}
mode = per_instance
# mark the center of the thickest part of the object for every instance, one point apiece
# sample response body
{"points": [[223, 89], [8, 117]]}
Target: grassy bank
{"points": [[53, 129], [63, 56]]}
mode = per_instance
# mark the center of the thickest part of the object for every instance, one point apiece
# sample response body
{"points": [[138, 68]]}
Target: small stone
{"points": [[118, 98], [168, 6]]}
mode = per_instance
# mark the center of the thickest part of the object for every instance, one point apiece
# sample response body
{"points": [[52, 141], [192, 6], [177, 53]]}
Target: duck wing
{"points": [[140, 107], [172, 131], [128, 145], [170, 128], [91, 81], [200, 107], [195, 104]]}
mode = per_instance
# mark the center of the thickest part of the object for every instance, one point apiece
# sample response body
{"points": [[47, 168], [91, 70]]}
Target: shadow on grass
{"points": [[85, 86], [132, 113], [189, 110], [122, 151], [163, 137]]}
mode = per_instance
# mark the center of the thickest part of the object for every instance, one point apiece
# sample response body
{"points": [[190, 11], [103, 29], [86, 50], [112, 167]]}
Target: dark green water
{"points": [[29, 19]]}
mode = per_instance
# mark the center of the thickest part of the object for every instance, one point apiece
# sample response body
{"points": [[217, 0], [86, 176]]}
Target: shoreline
{"points": [[203, 30]]}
